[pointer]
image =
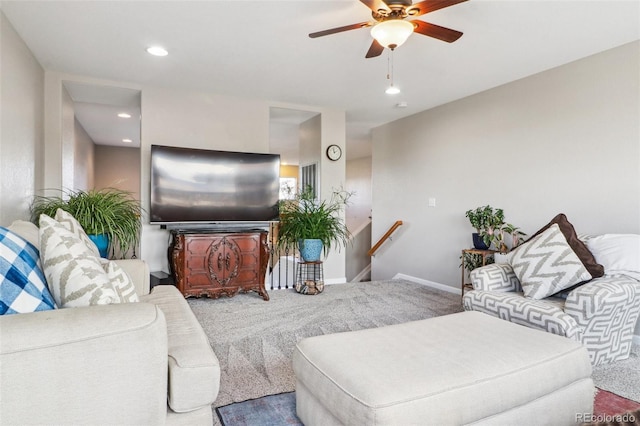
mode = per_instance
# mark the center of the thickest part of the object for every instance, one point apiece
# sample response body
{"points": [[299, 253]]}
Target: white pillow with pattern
{"points": [[546, 264], [71, 223], [120, 280], [74, 273]]}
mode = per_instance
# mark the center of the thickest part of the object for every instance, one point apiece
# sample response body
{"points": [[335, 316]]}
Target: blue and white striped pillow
{"points": [[22, 284]]}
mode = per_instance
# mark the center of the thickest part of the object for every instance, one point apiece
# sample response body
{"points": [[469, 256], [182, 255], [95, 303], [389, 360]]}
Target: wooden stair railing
{"points": [[385, 237]]}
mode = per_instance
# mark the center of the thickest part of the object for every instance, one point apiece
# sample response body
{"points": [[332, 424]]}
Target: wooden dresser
{"points": [[219, 263]]}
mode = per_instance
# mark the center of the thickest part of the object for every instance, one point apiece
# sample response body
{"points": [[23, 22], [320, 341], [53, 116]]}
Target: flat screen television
{"points": [[204, 187]]}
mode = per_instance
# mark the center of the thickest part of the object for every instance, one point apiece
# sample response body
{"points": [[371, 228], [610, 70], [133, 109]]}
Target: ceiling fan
{"points": [[390, 29]]}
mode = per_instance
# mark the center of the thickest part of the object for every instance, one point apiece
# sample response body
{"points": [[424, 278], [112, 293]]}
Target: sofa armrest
{"points": [[93, 365], [138, 270], [495, 277]]}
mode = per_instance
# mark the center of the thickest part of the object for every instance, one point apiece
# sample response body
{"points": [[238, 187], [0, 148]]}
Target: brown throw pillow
{"points": [[580, 249]]}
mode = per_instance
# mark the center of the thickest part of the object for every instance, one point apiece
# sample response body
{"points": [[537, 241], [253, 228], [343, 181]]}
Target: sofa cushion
{"points": [[578, 246], [74, 274], [98, 365], [546, 264], [27, 231], [194, 370], [22, 284]]}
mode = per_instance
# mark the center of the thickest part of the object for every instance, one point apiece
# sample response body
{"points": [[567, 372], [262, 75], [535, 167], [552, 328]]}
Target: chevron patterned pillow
{"points": [[546, 264]]}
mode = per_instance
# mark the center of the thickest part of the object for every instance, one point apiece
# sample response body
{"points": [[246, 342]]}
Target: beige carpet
{"points": [[254, 339]]}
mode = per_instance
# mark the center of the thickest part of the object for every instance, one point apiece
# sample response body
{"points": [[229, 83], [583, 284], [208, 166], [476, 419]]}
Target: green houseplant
{"points": [[484, 219], [305, 219], [112, 212], [491, 229]]}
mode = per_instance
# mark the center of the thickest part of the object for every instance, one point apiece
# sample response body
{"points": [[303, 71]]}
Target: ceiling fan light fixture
{"points": [[392, 90], [157, 51], [392, 33]]}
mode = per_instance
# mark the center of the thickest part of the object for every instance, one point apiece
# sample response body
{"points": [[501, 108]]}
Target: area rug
{"points": [[275, 410], [272, 410], [610, 404]]}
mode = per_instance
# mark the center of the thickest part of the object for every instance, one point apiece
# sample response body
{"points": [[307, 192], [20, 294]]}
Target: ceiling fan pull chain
{"points": [[388, 66]]}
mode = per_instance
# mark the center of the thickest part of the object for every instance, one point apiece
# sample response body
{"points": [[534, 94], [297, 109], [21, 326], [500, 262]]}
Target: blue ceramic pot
{"points": [[310, 250], [102, 242]]}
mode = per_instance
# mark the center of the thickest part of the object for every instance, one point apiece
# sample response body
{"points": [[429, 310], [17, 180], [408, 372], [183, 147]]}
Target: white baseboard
{"points": [[427, 283], [362, 274], [342, 280]]}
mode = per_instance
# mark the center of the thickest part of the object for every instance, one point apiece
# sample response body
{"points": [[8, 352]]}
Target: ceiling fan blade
{"points": [[436, 31], [376, 49], [429, 6], [340, 29], [378, 6]]}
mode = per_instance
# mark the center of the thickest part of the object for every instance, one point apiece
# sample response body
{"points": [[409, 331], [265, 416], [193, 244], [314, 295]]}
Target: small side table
{"points": [[484, 254], [310, 277]]}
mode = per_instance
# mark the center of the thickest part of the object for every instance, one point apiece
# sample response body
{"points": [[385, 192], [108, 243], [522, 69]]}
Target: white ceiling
{"points": [[261, 49]]}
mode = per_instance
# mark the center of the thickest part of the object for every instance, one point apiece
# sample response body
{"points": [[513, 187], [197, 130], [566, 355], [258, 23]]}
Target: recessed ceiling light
{"points": [[157, 51], [124, 115], [127, 140]]}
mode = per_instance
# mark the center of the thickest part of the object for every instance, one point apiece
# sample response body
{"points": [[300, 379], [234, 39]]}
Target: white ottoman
{"points": [[456, 369]]}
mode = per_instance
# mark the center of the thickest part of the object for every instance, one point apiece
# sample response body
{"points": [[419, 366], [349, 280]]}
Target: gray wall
{"points": [[22, 125], [117, 167], [359, 182], [83, 158], [565, 140]]}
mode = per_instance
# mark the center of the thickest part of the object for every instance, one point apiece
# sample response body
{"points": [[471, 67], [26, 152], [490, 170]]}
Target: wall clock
{"points": [[334, 152]]}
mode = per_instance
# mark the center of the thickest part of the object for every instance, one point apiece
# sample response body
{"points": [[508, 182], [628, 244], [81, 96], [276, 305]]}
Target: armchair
{"points": [[601, 314]]}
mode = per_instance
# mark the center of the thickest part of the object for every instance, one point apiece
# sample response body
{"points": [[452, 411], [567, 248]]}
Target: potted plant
{"points": [[315, 226], [491, 229], [110, 217], [484, 220], [471, 261]]}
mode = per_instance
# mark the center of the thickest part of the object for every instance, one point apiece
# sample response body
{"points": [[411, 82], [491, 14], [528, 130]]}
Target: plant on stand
{"points": [[315, 225], [485, 220], [111, 212], [491, 232]]}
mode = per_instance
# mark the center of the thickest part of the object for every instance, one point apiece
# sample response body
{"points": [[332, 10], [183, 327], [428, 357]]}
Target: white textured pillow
{"points": [[74, 274], [616, 252], [546, 264]]}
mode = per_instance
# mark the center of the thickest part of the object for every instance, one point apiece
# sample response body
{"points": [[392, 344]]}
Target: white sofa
{"points": [[145, 363], [602, 313]]}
